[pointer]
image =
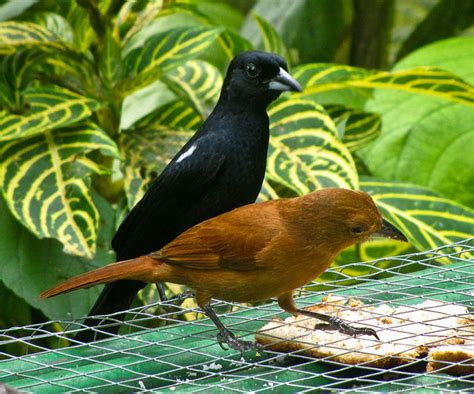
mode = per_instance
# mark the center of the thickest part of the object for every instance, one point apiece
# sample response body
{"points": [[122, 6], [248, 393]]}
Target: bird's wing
{"points": [[185, 178], [230, 241]]}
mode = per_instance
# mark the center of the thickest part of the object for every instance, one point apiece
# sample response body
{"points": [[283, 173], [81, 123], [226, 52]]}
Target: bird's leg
{"points": [[334, 323], [225, 336], [179, 298], [161, 291]]}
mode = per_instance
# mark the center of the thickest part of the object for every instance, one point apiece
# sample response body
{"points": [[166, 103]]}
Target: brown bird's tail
{"points": [[140, 268]]}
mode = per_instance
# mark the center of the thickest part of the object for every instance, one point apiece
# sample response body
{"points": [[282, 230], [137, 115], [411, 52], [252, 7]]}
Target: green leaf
{"points": [[45, 184], [25, 34], [232, 44], [164, 51], [17, 74], [270, 39], [30, 266], [443, 21], [177, 114], [50, 108], [147, 152], [267, 192], [426, 219], [311, 29], [355, 128], [304, 153], [197, 83], [321, 81], [110, 60], [56, 24], [426, 140]]}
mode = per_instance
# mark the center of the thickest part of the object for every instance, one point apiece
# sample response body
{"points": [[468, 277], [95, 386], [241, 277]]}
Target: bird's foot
{"points": [[228, 338], [335, 323]]}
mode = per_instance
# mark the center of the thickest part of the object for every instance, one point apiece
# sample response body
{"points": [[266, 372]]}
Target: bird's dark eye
{"points": [[253, 70], [357, 229]]}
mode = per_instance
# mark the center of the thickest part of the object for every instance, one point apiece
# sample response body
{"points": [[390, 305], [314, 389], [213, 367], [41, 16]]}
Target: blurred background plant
{"points": [[97, 96]]}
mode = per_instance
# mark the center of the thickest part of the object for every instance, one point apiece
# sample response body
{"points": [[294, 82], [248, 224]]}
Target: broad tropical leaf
{"points": [[197, 83], [425, 140], [25, 34], [232, 43], [49, 108], [30, 265], [304, 152], [267, 192], [17, 73], [270, 39], [45, 184], [177, 114], [321, 81], [147, 152], [56, 24], [356, 128], [164, 51], [427, 219]]}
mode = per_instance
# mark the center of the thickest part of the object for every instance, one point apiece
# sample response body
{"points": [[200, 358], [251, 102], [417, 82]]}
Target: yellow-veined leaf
{"points": [[17, 74], [164, 51], [45, 184], [232, 43], [267, 192], [147, 152], [25, 34], [427, 219], [304, 153], [325, 81], [355, 128], [177, 115], [197, 83], [270, 38], [49, 108]]}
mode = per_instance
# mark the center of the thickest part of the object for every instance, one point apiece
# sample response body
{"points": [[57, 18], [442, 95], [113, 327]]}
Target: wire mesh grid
{"points": [[184, 356]]}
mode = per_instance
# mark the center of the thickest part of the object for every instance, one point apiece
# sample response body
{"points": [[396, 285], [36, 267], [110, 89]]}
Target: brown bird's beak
{"points": [[388, 230], [284, 82]]}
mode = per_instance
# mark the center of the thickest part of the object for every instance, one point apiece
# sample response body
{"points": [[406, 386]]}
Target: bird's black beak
{"points": [[283, 82], [388, 230]]}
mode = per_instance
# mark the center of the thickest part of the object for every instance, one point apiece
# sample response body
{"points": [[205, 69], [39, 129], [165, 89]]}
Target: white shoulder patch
{"points": [[188, 153]]}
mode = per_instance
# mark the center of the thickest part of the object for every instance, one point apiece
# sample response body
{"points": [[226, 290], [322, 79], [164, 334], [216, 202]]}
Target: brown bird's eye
{"points": [[357, 230], [253, 70]]}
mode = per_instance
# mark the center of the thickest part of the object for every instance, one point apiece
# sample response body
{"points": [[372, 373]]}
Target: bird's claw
{"points": [[340, 325], [228, 338]]}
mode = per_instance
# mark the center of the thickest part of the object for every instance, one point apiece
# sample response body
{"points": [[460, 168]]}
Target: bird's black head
{"points": [[257, 78]]}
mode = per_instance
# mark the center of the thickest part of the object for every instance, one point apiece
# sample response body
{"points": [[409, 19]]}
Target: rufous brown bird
{"points": [[256, 252]]}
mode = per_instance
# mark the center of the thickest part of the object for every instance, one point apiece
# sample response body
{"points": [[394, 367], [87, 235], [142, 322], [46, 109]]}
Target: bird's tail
{"points": [[140, 268]]}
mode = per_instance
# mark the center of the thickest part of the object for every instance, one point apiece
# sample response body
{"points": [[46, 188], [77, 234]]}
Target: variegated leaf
{"points": [[325, 82], [49, 108], [356, 128], [177, 114], [164, 51], [427, 219], [267, 192], [271, 40], [17, 73], [197, 83], [304, 152], [45, 184], [25, 34], [232, 43], [147, 152]]}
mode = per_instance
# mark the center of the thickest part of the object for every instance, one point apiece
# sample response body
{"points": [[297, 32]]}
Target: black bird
{"points": [[220, 168]]}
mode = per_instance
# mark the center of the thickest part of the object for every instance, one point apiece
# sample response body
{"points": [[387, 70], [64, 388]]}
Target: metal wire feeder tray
{"points": [[183, 356]]}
